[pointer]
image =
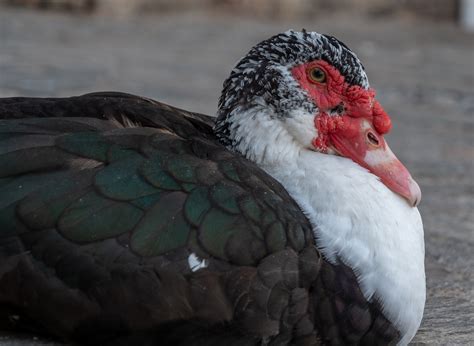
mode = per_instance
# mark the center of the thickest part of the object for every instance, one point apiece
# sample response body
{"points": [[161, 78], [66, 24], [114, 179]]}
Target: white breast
{"points": [[355, 218], [358, 220]]}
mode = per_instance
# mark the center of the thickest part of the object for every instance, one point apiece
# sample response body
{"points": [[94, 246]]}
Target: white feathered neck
{"points": [[356, 219]]}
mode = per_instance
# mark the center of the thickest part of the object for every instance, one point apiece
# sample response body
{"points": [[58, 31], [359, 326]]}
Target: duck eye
{"points": [[317, 75]]}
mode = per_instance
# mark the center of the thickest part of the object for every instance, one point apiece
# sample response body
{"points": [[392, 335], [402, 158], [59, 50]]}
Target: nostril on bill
{"points": [[372, 138]]}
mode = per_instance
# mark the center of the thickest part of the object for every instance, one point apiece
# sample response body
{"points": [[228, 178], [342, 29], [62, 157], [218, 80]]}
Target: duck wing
{"points": [[122, 218]]}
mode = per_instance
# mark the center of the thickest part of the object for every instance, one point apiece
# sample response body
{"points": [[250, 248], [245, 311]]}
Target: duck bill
{"points": [[365, 146]]}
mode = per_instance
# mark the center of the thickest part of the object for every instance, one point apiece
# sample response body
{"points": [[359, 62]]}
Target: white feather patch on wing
{"points": [[195, 263]]}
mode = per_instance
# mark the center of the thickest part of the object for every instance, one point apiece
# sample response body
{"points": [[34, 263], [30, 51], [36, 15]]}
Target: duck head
{"points": [[312, 88]]}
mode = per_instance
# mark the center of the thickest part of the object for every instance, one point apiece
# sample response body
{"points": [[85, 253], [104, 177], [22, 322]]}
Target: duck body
{"points": [[127, 221]]}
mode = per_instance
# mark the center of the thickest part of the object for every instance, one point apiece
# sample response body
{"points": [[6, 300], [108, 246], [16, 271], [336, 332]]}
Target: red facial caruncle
{"points": [[352, 123]]}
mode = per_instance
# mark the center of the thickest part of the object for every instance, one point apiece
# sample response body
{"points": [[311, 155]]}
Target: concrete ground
{"points": [[423, 73]]}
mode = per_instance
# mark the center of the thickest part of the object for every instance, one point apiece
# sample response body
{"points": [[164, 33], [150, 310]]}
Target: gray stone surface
{"points": [[423, 72]]}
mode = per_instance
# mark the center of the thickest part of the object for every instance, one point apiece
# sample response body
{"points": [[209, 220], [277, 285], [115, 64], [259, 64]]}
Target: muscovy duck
{"points": [[285, 220]]}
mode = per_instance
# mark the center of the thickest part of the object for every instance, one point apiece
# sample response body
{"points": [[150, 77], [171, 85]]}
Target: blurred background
{"points": [[419, 55]]}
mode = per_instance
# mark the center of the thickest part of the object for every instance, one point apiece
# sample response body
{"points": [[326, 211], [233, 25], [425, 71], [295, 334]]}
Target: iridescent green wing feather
{"points": [[148, 183]]}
